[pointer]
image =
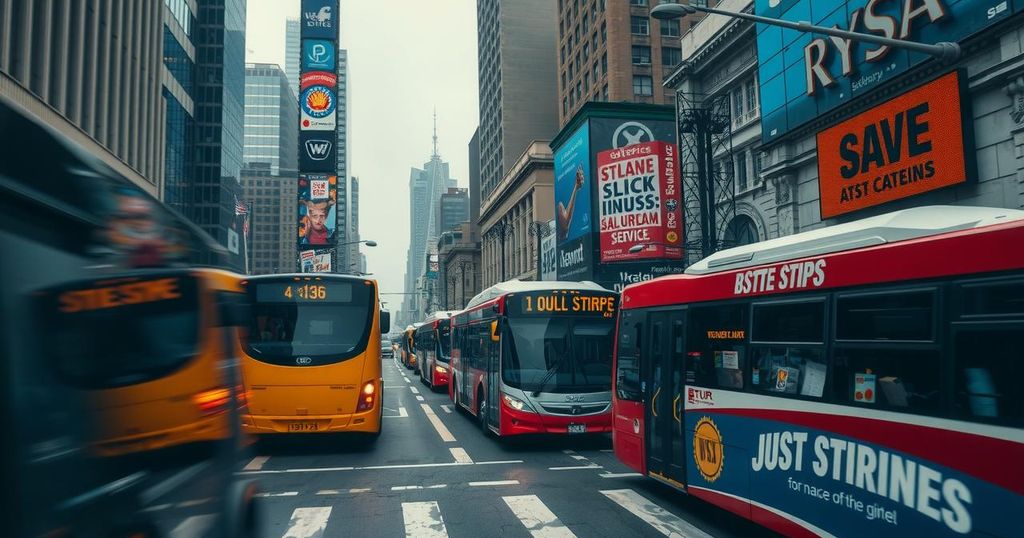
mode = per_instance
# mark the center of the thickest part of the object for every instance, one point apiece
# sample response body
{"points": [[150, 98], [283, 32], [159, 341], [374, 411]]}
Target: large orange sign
{"points": [[908, 145]]}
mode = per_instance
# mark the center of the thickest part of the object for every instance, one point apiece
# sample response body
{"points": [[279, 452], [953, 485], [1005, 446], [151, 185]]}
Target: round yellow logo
{"points": [[708, 451], [671, 237]]}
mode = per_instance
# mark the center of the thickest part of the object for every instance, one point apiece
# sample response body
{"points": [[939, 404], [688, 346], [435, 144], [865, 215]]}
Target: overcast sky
{"points": [[405, 58]]}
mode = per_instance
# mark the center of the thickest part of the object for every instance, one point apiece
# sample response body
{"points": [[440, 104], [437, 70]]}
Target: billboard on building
{"points": [[611, 133], [317, 216], [638, 202], [318, 55], [433, 265], [317, 151], [549, 254], [803, 76], [320, 19], [911, 144], [315, 261], [572, 186], [575, 259], [318, 106]]}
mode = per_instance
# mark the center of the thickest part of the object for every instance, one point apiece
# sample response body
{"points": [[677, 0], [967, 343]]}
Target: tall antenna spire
{"points": [[435, 132]]}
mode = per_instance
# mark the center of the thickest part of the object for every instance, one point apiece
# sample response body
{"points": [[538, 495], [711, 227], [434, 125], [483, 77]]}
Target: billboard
{"points": [[317, 151], [908, 145], [609, 133], [318, 78], [575, 259], [318, 55], [616, 276], [317, 215], [320, 19], [315, 261], [803, 76], [317, 108], [549, 254], [638, 202], [572, 186]]}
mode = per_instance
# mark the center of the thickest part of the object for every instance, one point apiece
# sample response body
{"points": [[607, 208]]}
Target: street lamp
{"points": [[944, 49], [367, 242]]}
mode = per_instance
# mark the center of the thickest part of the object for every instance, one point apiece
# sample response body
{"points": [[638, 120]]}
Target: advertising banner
{"points": [[549, 254], [803, 76], [638, 202], [318, 78], [315, 261], [316, 210], [575, 259], [433, 265], [317, 108], [318, 55], [320, 19], [609, 133], [306, 260], [572, 186], [911, 144], [317, 151], [616, 276]]}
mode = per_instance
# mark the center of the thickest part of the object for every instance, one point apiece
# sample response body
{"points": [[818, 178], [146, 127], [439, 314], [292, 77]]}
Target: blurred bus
{"points": [[312, 354], [535, 357], [432, 342], [408, 346], [117, 389]]}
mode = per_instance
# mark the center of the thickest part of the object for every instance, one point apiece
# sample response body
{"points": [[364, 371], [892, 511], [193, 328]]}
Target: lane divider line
{"points": [[282, 494], [447, 408], [575, 467], [578, 457], [414, 390], [256, 463], [618, 475], [460, 455], [420, 399], [495, 483], [378, 467], [402, 412], [442, 430]]}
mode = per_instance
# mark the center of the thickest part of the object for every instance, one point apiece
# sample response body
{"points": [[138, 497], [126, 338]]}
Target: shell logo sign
{"points": [[318, 106]]}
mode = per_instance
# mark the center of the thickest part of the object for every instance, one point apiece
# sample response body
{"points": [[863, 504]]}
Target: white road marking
{"points": [[442, 430], [654, 515], [536, 517], [407, 488], [447, 408], [499, 462], [282, 494], [195, 502], [402, 412], [378, 467], [256, 464], [578, 457], [423, 520], [194, 526], [419, 398], [414, 390], [460, 455], [308, 522], [618, 475], [575, 467], [495, 483], [329, 492]]}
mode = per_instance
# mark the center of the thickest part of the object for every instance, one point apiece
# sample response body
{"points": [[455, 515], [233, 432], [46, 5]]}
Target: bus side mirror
{"points": [[385, 321], [494, 331], [233, 309]]}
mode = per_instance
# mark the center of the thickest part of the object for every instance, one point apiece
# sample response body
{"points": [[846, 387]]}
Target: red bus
{"points": [[857, 379], [535, 357], [433, 346]]}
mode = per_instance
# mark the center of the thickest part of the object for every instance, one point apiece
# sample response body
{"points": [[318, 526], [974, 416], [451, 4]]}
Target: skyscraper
{"points": [[179, 95], [271, 119], [353, 253], [220, 116], [516, 72], [92, 72], [346, 256], [453, 209], [292, 46]]}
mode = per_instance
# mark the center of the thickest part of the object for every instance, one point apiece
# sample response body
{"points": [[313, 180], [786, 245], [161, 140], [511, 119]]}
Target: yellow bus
{"points": [[148, 345], [311, 355]]}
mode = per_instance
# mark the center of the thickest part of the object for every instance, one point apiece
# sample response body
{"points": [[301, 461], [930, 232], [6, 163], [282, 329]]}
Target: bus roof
{"points": [[440, 314], [904, 246], [311, 276], [516, 286], [878, 230]]}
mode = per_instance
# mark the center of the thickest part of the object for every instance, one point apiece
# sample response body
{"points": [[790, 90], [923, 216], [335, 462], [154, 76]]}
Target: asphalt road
{"points": [[433, 473]]}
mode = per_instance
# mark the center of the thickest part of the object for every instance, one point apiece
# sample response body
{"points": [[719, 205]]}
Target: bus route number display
{"points": [[567, 303], [288, 292]]}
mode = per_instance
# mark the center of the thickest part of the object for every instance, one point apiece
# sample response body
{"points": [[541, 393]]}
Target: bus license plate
{"points": [[302, 426], [577, 428]]}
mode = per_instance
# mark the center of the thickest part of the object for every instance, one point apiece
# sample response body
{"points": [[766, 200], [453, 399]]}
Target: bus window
{"points": [[998, 298], [988, 366], [789, 370], [906, 316], [627, 374], [717, 346], [789, 322], [904, 379]]}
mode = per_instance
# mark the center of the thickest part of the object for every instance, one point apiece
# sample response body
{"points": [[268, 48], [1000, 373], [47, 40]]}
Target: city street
{"points": [[432, 473]]}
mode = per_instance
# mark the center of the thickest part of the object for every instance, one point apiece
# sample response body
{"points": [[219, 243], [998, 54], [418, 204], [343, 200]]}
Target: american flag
{"points": [[240, 207]]}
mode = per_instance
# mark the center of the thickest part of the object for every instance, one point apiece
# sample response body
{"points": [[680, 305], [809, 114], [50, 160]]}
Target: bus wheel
{"points": [[481, 412]]}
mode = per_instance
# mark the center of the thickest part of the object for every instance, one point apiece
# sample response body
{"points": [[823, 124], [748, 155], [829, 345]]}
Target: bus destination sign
{"points": [[561, 302], [122, 293]]}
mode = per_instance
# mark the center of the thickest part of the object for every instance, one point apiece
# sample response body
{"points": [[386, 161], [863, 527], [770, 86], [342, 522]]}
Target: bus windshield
{"points": [[444, 331], [286, 325], [125, 331], [559, 354]]}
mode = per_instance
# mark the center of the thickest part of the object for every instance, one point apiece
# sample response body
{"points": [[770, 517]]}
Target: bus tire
{"points": [[481, 412]]}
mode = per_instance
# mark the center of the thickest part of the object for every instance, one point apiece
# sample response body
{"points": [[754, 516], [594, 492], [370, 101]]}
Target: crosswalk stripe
{"points": [[193, 526], [256, 464], [423, 520], [308, 522], [536, 517], [460, 455], [654, 515]]}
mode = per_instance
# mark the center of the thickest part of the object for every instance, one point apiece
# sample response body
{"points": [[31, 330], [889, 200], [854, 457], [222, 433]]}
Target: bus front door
{"points": [[664, 383]]}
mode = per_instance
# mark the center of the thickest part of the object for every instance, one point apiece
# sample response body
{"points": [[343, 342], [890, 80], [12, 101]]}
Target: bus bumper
{"points": [[439, 379], [366, 421], [515, 422]]}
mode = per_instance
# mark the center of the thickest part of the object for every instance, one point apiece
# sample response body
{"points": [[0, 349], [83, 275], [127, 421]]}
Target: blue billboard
{"points": [[572, 186], [320, 19], [318, 55], [803, 75]]}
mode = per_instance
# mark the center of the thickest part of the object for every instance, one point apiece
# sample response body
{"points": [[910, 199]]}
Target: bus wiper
{"points": [[547, 376]]}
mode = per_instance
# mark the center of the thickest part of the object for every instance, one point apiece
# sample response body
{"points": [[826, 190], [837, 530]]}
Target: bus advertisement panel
{"points": [[313, 344], [638, 202]]}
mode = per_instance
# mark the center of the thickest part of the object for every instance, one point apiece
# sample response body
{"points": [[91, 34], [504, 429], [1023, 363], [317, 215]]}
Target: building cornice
{"points": [[537, 156]]}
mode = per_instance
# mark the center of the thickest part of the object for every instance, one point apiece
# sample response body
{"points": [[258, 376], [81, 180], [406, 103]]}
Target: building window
{"points": [[604, 32], [671, 57], [604, 62], [586, 51], [744, 102], [741, 171], [670, 28], [604, 93], [593, 75], [642, 85], [641, 55], [563, 80], [741, 231], [638, 2], [593, 41], [639, 25]]}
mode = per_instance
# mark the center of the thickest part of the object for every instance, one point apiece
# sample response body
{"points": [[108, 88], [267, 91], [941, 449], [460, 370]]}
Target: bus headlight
{"points": [[367, 397], [516, 403]]}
